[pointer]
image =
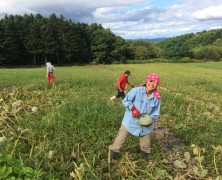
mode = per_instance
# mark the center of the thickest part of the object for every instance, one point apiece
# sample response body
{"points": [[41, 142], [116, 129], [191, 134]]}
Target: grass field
{"points": [[69, 134]]}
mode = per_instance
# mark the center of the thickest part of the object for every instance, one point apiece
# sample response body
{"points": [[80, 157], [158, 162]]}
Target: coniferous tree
{"points": [[50, 39], [102, 46], [61, 33], [85, 44], [1, 44], [72, 48], [10, 50], [34, 39], [120, 51]]}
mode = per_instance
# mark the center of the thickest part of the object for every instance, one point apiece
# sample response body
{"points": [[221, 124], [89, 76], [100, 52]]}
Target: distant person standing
{"points": [[120, 86], [50, 73]]}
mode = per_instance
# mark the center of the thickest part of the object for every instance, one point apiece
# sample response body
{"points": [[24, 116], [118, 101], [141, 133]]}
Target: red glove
{"points": [[135, 112]]}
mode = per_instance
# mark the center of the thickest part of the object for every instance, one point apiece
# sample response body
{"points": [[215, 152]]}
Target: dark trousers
{"points": [[120, 94]]}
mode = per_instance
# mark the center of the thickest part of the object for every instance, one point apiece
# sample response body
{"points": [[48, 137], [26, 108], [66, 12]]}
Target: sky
{"points": [[130, 19]]}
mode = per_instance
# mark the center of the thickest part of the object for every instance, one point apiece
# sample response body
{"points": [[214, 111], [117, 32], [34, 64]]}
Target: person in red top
{"points": [[120, 86]]}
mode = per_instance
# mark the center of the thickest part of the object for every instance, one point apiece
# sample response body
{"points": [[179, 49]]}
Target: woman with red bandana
{"points": [[139, 100]]}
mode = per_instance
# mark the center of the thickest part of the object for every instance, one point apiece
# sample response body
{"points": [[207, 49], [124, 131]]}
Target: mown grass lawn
{"points": [[76, 122]]}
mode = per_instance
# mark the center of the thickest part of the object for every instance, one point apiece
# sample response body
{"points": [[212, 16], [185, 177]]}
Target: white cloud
{"points": [[128, 18], [212, 12]]}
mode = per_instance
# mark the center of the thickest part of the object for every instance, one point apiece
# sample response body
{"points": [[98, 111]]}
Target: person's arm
{"points": [[118, 85], [155, 112], [128, 100], [129, 84], [128, 103]]}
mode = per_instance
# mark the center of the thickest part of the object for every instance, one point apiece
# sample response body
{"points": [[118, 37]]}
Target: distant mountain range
{"points": [[156, 39], [150, 40]]}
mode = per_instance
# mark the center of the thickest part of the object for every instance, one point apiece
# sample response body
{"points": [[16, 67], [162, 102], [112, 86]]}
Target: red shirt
{"points": [[123, 79]]}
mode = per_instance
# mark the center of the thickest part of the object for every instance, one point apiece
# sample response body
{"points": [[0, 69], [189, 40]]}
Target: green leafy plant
{"points": [[10, 168]]}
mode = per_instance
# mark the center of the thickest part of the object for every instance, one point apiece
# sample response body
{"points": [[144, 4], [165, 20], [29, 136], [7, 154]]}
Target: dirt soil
{"points": [[171, 146]]}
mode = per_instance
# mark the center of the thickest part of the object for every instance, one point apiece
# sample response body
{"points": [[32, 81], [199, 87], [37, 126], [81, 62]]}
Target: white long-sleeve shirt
{"points": [[50, 68]]}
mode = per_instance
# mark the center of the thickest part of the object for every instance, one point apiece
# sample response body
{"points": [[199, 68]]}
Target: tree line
{"points": [[33, 40], [205, 45]]}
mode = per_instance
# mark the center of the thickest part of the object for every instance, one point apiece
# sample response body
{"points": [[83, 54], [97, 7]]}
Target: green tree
{"points": [[2, 60], [84, 43], [141, 53], [73, 43], [206, 53], [34, 38], [120, 50], [9, 42], [177, 47], [50, 38], [102, 46], [142, 50]]}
